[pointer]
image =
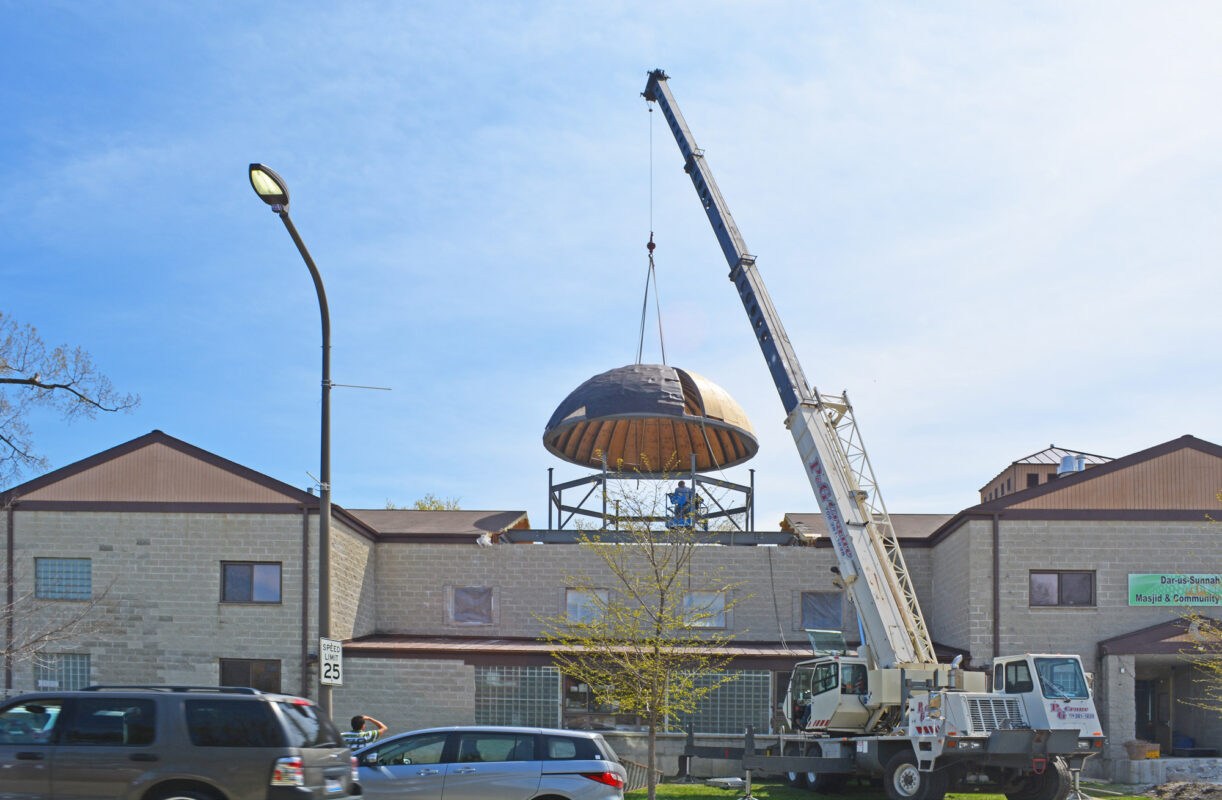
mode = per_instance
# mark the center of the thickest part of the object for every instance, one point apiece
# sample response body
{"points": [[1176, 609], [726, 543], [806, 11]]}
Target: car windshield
{"points": [[306, 727], [1061, 678]]}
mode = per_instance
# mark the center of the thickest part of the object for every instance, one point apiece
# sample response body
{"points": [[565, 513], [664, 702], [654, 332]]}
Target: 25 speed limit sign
{"points": [[331, 662]]}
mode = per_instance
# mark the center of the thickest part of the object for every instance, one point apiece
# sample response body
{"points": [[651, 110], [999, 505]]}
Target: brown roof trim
{"points": [[429, 538], [905, 543], [132, 506], [1067, 514], [1155, 639], [1111, 514], [521, 651], [497, 658], [354, 523], [160, 507]]}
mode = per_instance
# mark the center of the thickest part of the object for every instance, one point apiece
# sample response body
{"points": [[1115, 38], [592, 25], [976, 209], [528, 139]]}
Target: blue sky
{"points": [[994, 225]]}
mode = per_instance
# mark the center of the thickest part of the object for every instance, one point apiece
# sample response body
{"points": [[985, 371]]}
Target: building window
{"points": [[732, 706], [822, 611], [1033, 479], [528, 696], [471, 605], [1062, 589], [63, 578], [705, 609], [263, 675], [63, 671], [532, 697], [585, 605], [246, 582]]}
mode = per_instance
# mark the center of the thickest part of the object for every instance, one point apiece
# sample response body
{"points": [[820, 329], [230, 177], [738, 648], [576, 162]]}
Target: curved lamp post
{"points": [[273, 191]]}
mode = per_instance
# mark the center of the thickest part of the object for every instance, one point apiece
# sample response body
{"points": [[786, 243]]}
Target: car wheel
{"points": [[903, 781], [186, 793], [797, 779]]}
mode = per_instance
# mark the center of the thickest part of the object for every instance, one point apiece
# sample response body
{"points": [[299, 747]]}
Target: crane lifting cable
{"points": [[651, 276]]}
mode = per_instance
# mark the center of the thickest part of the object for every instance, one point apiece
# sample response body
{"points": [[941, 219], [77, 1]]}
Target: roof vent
{"points": [[1071, 463]]}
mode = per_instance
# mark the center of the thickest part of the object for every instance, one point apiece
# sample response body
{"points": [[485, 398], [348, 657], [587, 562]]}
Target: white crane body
{"points": [[925, 726]]}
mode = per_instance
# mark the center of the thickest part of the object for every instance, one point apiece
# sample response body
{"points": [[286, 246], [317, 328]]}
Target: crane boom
{"points": [[824, 429]]}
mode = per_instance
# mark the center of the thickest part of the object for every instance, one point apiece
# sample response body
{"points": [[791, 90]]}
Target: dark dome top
{"points": [[650, 418]]}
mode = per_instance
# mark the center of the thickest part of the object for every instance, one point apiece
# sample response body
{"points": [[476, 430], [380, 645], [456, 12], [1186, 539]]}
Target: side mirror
{"points": [[370, 759]]}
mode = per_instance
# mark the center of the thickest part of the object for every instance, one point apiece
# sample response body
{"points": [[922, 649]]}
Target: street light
{"points": [[273, 191]]}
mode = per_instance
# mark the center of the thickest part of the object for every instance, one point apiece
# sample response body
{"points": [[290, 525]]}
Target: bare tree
{"points": [[32, 376], [650, 636]]}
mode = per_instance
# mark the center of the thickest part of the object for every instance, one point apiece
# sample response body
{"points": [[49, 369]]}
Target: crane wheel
{"points": [[825, 782], [1054, 784], [903, 781]]}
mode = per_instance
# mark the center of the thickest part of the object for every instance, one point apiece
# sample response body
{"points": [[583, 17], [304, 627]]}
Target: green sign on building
{"points": [[1175, 590]]}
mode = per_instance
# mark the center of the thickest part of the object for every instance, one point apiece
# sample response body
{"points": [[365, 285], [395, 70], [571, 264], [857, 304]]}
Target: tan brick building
{"points": [[196, 570]]}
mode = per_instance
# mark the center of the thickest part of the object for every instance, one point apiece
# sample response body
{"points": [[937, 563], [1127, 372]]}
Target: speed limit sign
{"points": [[331, 662]]}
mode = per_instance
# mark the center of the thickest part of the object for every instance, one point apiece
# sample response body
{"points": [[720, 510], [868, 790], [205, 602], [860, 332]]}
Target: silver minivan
{"points": [[491, 763]]}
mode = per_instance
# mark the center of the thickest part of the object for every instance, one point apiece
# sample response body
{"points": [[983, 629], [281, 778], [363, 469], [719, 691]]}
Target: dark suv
{"points": [[170, 742]]}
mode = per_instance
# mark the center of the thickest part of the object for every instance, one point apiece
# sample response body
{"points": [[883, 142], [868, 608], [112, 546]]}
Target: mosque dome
{"points": [[650, 418]]}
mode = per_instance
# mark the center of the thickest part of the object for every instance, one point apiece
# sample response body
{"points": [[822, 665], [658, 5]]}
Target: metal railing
{"points": [[638, 775]]}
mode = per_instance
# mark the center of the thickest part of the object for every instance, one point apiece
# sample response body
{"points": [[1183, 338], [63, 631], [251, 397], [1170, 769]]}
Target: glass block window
{"points": [[244, 582], [471, 605], [63, 578], [61, 671], [528, 696], [822, 611], [744, 701]]}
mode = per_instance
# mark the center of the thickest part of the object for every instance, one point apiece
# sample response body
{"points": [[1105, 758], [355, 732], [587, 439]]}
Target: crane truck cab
{"points": [[829, 694], [1054, 692]]}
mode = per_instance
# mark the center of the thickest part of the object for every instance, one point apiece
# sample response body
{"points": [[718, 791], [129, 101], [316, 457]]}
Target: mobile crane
{"points": [[892, 710]]}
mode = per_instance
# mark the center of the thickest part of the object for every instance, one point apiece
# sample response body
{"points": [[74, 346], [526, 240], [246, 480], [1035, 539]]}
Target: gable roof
{"points": [[156, 468], [1178, 479], [157, 472]]}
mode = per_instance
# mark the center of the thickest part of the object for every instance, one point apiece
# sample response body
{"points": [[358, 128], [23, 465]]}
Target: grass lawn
{"points": [[783, 791]]}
